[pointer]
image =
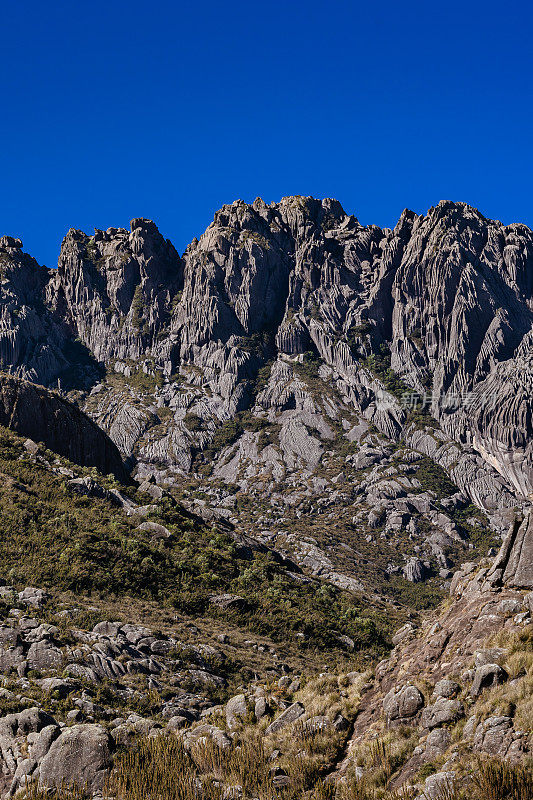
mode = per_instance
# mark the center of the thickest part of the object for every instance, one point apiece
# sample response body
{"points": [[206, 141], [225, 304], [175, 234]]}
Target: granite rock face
{"points": [[448, 293], [45, 416], [513, 565], [451, 656], [114, 290], [289, 332]]}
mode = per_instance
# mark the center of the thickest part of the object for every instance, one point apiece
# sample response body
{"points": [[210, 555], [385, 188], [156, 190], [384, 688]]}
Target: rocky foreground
{"points": [[458, 685]]}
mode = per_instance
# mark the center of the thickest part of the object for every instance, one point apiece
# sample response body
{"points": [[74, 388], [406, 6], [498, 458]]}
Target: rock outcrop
{"points": [[45, 416], [448, 293], [414, 687], [513, 565]]}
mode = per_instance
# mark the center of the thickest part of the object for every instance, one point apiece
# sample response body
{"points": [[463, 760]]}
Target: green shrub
{"points": [[137, 307], [193, 422], [434, 478]]}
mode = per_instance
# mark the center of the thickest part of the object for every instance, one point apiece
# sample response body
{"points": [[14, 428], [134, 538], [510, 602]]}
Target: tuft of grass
{"points": [[500, 780]]}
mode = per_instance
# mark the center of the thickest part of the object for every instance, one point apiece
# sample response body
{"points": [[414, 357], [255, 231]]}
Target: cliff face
{"points": [[43, 416], [114, 290], [449, 294], [288, 352]]}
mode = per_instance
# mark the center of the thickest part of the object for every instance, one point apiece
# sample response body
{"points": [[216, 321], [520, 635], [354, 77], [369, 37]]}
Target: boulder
{"points": [[155, 529], [340, 723], [494, 736], [109, 629], [438, 786], [80, 756], [228, 602], [288, 717], [31, 596], [487, 676], [437, 742], [513, 566], [441, 712], [204, 732], [414, 571], [404, 633], [261, 708], [446, 688], [236, 710], [44, 655], [403, 703]]}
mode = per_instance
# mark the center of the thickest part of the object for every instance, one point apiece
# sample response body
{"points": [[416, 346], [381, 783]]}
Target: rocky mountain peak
{"points": [[10, 243], [289, 337]]}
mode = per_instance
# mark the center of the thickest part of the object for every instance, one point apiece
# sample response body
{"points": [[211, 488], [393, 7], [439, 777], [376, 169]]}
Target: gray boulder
{"points": [[441, 712], [80, 756], [439, 785], [44, 655], [288, 717], [487, 676], [446, 688], [437, 742], [205, 732], [403, 703], [414, 571], [31, 596], [236, 710], [513, 566]]}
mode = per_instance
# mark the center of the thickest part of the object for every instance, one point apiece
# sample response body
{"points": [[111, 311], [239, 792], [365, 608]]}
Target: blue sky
{"points": [[112, 110]]}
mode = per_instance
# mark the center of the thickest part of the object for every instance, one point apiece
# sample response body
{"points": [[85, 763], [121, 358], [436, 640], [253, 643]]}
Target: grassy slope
{"points": [[51, 537]]}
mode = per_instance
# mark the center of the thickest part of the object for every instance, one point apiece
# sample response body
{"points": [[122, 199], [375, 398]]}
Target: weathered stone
{"points": [[261, 708], [414, 570], [33, 597], [487, 676], [441, 712], [513, 565], [288, 717], [494, 736], [402, 703], [236, 710], [446, 688], [156, 530], [228, 602], [405, 632], [33, 411], [437, 742], [204, 732], [81, 756], [44, 655], [439, 784]]}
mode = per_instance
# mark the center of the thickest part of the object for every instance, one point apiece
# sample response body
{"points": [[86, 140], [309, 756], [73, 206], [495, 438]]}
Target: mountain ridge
{"points": [[289, 331]]}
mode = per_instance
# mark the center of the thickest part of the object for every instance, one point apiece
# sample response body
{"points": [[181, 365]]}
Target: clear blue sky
{"points": [[167, 110]]}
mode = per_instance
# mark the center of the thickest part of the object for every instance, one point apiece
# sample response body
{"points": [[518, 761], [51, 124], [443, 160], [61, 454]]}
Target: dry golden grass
{"points": [[32, 792], [330, 695], [161, 769], [383, 756], [360, 790], [512, 699], [498, 780]]}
